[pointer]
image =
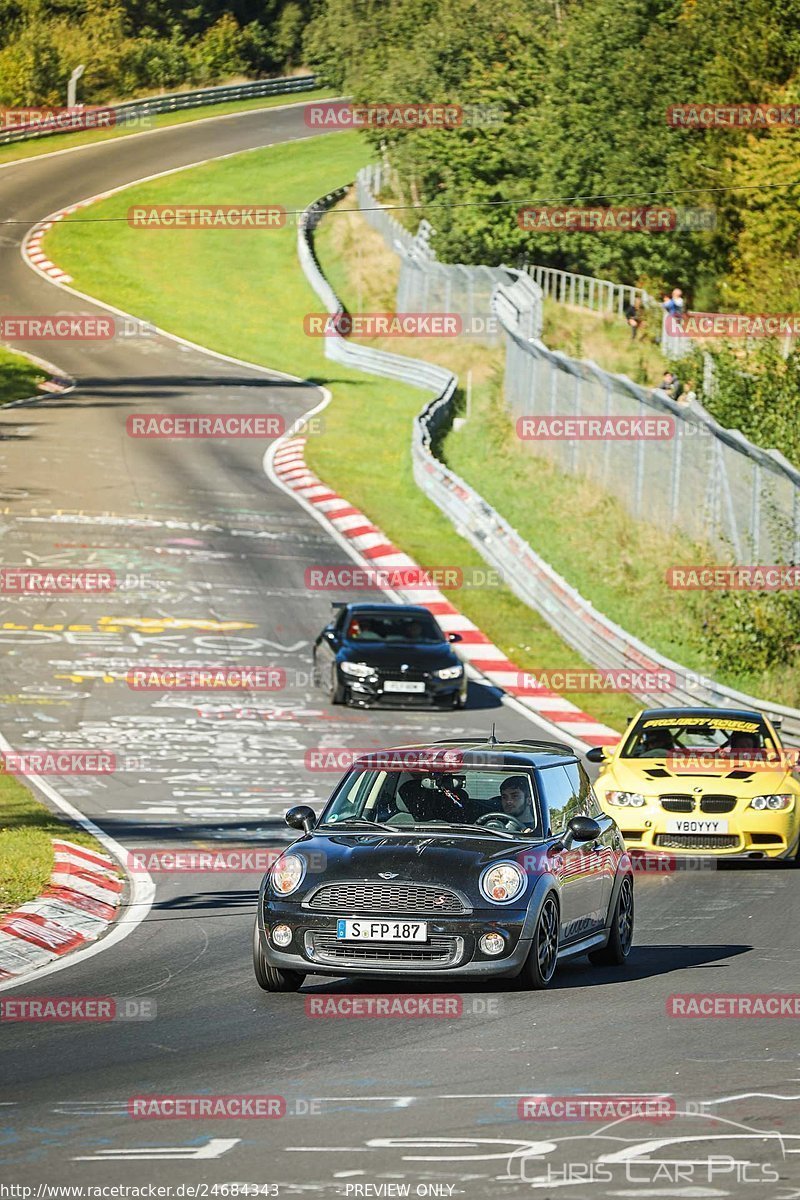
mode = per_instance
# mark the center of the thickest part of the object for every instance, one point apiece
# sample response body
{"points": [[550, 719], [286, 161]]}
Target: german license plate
{"points": [[696, 825], [381, 931], [403, 685]]}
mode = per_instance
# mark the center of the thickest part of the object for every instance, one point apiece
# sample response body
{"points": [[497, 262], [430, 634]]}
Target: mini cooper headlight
{"points": [[773, 803], [287, 874], [360, 670], [626, 799], [449, 672], [503, 883]]}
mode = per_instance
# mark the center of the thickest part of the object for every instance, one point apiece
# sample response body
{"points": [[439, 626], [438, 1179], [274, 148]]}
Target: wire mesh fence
{"points": [[427, 285], [708, 483]]}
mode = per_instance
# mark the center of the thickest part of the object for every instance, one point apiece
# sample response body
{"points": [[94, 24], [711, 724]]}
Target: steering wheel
{"points": [[505, 819]]}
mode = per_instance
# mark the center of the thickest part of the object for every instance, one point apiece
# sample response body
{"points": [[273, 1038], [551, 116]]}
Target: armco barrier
{"points": [[597, 639], [132, 110]]}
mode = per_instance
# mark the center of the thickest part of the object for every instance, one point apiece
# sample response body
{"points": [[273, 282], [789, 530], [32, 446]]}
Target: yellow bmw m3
{"points": [[702, 780]]}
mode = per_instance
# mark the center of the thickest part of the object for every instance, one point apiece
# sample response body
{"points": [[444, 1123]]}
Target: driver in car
{"points": [[515, 799]]}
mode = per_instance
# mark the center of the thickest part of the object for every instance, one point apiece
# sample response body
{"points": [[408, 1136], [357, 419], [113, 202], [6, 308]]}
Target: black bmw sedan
{"points": [[459, 858], [388, 654]]}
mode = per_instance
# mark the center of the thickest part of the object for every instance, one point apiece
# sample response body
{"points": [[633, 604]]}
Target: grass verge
{"points": [[605, 338], [26, 851], [184, 284], [85, 137], [19, 377]]}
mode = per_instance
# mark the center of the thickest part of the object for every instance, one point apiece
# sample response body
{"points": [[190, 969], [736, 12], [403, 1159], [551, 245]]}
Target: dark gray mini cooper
{"points": [[454, 859]]}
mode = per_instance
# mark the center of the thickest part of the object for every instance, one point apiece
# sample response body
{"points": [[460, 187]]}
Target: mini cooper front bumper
{"points": [[452, 947]]}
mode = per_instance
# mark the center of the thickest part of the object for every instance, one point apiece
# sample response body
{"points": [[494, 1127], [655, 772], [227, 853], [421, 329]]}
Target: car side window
{"points": [[590, 805], [338, 624], [562, 794]]}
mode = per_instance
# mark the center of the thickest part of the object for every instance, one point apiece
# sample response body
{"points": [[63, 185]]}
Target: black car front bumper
{"points": [[371, 691], [452, 947]]}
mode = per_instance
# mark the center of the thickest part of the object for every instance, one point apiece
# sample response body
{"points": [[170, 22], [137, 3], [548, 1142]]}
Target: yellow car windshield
{"points": [[665, 737]]}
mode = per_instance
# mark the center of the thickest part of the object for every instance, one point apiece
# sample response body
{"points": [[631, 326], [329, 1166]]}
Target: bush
{"points": [[221, 51], [31, 69]]}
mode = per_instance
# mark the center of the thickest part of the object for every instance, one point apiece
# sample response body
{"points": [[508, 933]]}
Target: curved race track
{"points": [[393, 1102]]}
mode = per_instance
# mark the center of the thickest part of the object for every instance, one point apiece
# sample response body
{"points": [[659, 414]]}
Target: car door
{"points": [[326, 647], [610, 841], [579, 866]]}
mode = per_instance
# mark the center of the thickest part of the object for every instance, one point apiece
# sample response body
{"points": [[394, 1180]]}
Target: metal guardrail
{"points": [[133, 110], [597, 639], [585, 291], [340, 349]]}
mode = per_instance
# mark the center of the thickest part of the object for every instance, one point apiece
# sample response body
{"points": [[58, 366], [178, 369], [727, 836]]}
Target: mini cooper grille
{"points": [[718, 804], [386, 898], [326, 947], [696, 841], [677, 803]]}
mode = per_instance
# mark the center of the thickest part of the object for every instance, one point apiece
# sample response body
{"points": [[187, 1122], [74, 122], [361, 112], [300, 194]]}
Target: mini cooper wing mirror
{"points": [[301, 817], [597, 754], [584, 829], [454, 637]]}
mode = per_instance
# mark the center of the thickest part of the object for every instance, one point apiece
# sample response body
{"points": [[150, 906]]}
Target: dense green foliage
{"points": [[131, 46], [756, 392], [585, 88]]}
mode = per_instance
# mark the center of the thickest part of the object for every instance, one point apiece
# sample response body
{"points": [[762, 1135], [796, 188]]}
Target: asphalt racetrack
{"points": [[373, 1105]]}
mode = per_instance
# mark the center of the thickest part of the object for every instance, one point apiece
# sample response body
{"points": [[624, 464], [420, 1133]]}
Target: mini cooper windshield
{"points": [[494, 801]]}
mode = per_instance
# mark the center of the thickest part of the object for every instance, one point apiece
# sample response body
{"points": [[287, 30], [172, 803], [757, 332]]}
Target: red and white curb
{"points": [[78, 905], [32, 246], [372, 545]]}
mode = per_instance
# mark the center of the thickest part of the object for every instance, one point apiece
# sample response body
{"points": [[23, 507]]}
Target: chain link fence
{"points": [[427, 285], [709, 483]]}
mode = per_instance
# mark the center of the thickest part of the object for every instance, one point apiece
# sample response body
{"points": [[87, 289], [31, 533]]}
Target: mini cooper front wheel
{"points": [[271, 979], [540, 965], [618, 946]]}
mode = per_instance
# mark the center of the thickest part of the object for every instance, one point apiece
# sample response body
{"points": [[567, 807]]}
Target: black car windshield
{"points": [[702, 734], [497, 801], [408, 628]]}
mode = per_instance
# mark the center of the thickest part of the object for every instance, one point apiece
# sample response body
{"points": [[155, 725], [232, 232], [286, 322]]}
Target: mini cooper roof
{"points": [[449, 756]]}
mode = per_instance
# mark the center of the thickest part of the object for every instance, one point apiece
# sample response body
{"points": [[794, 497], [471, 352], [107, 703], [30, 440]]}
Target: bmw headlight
{"points": [[449, 672], [503, 883], [360, 670], [287, 874], [771, 803], [626, 799]]}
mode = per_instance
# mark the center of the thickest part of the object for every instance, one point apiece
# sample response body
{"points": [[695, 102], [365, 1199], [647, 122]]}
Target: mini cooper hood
{"points": [[655, 777], [426, 658], [440, 858]]}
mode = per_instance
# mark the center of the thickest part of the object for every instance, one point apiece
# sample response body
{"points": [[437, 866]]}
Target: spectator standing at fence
{"points": [[633, 315], [674, 305], [688, 394]]}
